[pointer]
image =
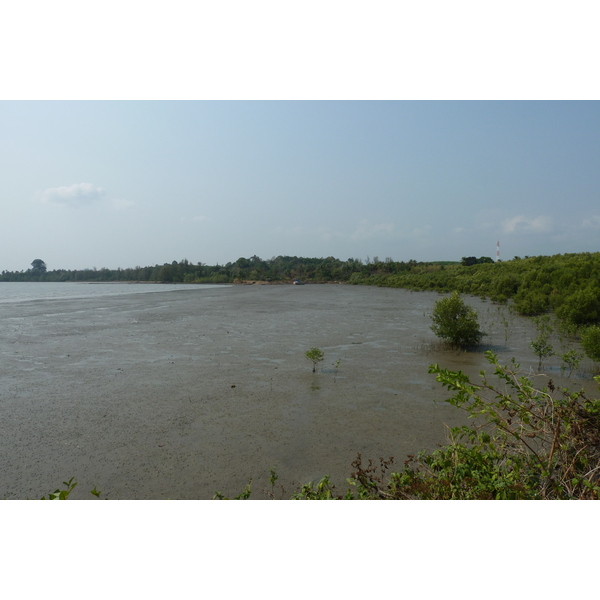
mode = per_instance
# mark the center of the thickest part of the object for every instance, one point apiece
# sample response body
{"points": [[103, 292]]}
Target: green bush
{"points": [[530, 303], [571, 360], [455, 322], [590, 342], [580, 308]]}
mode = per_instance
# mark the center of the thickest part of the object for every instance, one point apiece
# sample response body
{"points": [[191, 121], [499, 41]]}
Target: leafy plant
{"points": [[505, 323], [541, 348], [62, 494], [273, 477], [571, 359], [544, 325], [322, 491], [530, 303], [69, 487], [590, 341], [536, 443], [245, 495], [581, 308], [540, 345], [336, 366], [315, 355], [456, 322]]}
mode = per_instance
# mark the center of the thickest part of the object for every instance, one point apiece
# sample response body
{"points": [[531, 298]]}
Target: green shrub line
{"points": [[568, 284]]}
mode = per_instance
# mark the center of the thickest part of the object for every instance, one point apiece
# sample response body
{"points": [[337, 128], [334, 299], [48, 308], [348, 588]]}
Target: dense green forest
{"points": [[568, 284], [276, 269]]}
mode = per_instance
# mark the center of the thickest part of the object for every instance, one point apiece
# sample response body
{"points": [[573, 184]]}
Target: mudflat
{"points": [[180, 394]]}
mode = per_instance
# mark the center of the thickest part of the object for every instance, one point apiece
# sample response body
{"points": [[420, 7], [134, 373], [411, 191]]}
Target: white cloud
{"points": [[77, 194], [459, 230], [522, 224]]}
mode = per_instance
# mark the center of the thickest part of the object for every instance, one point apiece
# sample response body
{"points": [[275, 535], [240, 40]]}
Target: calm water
{"points": [[27, 291]]}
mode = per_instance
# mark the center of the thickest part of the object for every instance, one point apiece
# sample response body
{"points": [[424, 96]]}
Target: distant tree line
{"points": [[467, 261], [568, 284], [276, 269]]}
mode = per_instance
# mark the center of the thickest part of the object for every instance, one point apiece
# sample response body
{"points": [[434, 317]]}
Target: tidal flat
{"points": [[181, 394]]}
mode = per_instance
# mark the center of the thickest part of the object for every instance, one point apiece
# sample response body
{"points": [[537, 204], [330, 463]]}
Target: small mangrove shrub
{"points": [[315, 355], [455, 322]]}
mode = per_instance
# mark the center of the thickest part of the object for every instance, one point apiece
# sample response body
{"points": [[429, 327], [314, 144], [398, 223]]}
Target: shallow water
{"points": [[178, 395], [15, 291]]}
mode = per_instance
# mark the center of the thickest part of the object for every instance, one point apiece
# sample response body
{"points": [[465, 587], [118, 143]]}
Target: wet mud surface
{"points": [[180, 394]]}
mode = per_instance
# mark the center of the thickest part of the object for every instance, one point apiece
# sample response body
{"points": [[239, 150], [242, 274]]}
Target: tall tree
{"points": [[38, 265]]}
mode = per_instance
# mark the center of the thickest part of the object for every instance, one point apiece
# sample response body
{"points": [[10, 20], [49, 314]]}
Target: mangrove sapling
{"points": [[571, 359], [336, 366], [272, 480], [544, 325], [505, 323], [541, 348], [567, 330], [314, 355], [540, 345]]}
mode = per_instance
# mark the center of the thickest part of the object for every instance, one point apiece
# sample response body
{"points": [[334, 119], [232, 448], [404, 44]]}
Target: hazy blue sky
{"points": [[120, 184]]}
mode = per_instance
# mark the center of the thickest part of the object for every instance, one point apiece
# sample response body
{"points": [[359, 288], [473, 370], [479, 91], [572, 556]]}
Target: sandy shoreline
{"points": [[179, 394]]}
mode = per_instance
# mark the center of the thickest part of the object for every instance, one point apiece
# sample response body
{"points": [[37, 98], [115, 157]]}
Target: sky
{"points": [[133, 183]]}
